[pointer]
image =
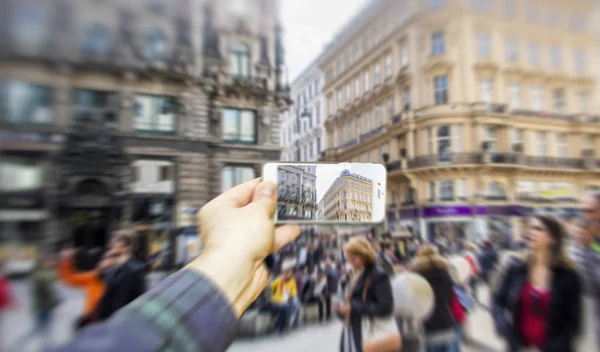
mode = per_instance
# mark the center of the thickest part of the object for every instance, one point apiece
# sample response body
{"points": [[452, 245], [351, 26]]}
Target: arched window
{"points": [[95, 41], [156, 45], [29, 26], [495, 190], [240, 60]]}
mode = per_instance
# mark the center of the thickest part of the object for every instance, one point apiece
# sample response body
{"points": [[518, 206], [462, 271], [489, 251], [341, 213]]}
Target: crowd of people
{"points": [[536, 302]]}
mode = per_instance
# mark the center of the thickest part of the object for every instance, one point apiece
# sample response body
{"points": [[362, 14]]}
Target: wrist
{"points": [[230, 275]]}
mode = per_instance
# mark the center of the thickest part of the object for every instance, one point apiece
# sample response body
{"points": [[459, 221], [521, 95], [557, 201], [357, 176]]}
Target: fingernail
{"points": [[267, 189]]}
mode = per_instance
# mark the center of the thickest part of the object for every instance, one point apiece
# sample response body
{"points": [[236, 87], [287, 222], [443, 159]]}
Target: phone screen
{"points": [[344, 193]]}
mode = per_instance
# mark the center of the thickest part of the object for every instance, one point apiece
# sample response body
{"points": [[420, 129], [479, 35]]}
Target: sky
{"points": [[327, 173], [309, 25]]}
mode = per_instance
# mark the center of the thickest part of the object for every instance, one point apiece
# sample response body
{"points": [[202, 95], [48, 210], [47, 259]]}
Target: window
{"points": [[317, 113], [348, 94], [356, 52], [555, 57], [239, 60], [406, 98], [517, 140], [21, 174], [531, 11], [437, 43], [404, 55], [440, 84], [388, 66], [27, 103], [340, 98], [103, 106], [486, 90], [552, 18], [239, 126], [444, 145], [481, 5], [512, 49], [534, 53], [30, 28], [588, 148], [579, 61], [434, 4], [558, 99], [457, 143], [446, 190], [358, 126], [509, 9], [379, 116], [390, 108], [349, 131], [318, 145], [584, 101], [461, 188], [483, 44], [536, 98], [165, 173], [367, 84], [356, 88], [491, 137], [514, 95], [156, 45], [330, 103], [562, 147], [367, 121], [232, 176], [95, 41], [541, 145], [431, 190], [430, 141], [377, 78]]}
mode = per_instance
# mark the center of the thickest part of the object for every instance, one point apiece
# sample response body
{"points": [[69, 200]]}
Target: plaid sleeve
{"points": [[184, 312]]}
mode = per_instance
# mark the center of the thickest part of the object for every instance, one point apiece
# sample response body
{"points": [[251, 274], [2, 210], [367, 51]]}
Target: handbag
{"points": [[379, 334]]}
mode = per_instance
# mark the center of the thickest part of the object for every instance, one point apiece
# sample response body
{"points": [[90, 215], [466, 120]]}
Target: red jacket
{"points": [[6, 296], [458, 311]]}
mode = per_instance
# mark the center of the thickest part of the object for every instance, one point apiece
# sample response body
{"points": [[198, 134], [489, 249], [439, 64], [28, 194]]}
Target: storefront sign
{"points": [[409, 213], [508, 210], [437, 212], [558, 193]]}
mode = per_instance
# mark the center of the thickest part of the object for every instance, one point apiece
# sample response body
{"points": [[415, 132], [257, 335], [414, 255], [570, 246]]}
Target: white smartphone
{"points": [[328, 193]]}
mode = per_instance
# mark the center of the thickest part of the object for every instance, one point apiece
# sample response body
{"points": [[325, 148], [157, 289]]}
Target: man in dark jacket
{"points": [[125, 282], [488, 259]]}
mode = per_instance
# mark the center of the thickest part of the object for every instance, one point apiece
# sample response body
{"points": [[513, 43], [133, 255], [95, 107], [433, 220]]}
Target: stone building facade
{"points": [[132, 114], [349, 198], [297, 192]]}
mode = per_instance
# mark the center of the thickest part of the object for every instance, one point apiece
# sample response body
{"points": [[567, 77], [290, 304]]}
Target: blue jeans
{"points": [[282, 311], [42, 320], [453, 346], [294, 310]]}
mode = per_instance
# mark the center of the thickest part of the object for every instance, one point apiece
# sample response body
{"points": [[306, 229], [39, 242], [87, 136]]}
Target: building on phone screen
{"points": [[348, 199], [132, 114], [296, 192], [480, 122]]}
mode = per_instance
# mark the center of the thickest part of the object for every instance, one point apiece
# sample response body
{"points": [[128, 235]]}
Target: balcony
{"points": [[371, 133], [394, 166], [541, 114], [447, 159], [535, 161]]}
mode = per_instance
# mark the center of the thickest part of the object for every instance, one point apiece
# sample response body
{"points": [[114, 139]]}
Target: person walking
{"points": [[125, 282], [369, 296], [386, 258], [488, 260], [441, 326], [470, 254], [586, 254], [93, 282], [537, 305]]}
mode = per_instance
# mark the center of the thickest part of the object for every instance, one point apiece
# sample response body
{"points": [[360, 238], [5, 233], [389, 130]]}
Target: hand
{"points": [[237, 233], [343, 309]]}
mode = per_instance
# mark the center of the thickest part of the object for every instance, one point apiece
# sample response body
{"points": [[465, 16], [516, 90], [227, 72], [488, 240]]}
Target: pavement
{"points": [[18, 322]]}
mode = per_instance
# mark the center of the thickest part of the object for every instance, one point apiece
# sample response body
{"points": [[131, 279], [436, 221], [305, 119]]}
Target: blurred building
{"points": [[302, 126], [132, 113], [297, 192], [349, 198], [321, 211], [484, 111]]}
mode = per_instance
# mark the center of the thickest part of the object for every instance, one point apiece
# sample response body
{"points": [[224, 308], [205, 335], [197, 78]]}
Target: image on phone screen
{"points": [[328, 193]]}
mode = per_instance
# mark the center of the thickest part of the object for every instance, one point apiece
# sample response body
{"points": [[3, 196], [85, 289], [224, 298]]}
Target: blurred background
{"points": [[132, 114]]}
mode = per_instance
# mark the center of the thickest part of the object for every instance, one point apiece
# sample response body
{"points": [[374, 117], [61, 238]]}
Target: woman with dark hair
{"points": [[537, 305], [369, 296]]}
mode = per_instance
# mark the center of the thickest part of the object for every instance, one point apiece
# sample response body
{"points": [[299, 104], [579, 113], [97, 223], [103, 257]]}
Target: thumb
{"points": [[264, 198]]}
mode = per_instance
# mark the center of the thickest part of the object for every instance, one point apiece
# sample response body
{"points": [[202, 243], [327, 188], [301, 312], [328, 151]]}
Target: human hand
{"points": [[343, 309], [237, 234]]}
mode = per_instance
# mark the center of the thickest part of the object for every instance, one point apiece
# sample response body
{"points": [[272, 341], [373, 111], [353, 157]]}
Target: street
{"points": [[17, 323]]}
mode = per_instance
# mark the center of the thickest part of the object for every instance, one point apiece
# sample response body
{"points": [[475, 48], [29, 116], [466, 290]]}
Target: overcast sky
{"points": [[309, 25], [328, 173]]}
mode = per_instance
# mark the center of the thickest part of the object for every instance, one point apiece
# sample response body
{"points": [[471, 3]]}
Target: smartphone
{"points": [[328, 193]]}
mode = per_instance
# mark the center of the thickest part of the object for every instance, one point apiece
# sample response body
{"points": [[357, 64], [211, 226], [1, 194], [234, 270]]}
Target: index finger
{"points": [[240, 195]]}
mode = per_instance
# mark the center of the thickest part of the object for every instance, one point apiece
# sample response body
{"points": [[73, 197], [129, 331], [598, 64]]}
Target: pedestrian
{"points": [[386, 259], [370, 296], [284, 297], [537, 305], [45, 299], [488, 260], [586, 254], [125, 282], [317, 291], [333, 276], [470, 254], [441, 326], [93, 281]]}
